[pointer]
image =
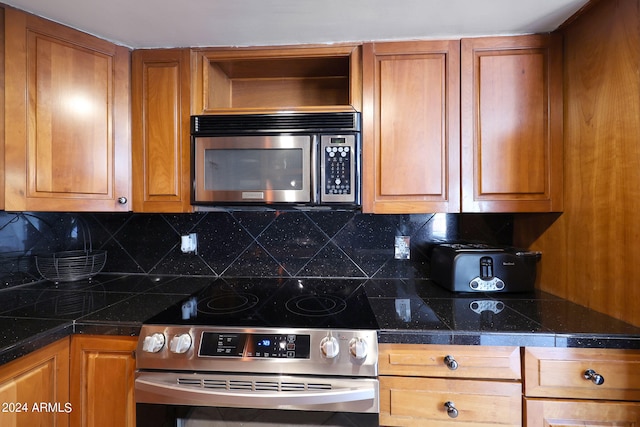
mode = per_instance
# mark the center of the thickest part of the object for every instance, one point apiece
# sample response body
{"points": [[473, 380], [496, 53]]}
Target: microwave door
{"points": [[253, 169]]}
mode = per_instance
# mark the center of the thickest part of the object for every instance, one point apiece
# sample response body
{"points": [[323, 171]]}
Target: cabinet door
{"points": [[160, 132], [67, 99], [571, 413], [430, 402], [511, 112], [450, 361], [2, 124], [102, 381], [563, 373], [34, 390], [411, 127]]}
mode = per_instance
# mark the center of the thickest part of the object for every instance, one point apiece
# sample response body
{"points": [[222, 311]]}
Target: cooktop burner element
{"points": [[311, 305], [227, 303], [288, 303]]}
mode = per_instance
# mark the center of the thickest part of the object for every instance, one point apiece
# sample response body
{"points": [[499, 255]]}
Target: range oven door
{"points": [[254, 169], [199, 400]]}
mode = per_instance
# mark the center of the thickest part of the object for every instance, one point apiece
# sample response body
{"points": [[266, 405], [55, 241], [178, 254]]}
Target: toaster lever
{"points": [[486, 268]]}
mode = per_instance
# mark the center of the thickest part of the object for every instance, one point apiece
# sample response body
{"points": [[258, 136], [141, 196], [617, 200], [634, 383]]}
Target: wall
{"points": [[592, 251], [247, 244]]}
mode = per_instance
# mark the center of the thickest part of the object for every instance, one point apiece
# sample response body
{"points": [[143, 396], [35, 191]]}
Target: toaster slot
{"points": [[486, 268]]}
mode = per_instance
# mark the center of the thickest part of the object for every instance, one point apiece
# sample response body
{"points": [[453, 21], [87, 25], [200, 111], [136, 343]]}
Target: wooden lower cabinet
{"points": [[581, 387], [102, 381], [565, 413], [34, 390], [471, 386], [433, 401]]}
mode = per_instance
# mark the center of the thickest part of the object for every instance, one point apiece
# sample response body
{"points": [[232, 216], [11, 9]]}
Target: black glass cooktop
{"points": [[283, 303]]}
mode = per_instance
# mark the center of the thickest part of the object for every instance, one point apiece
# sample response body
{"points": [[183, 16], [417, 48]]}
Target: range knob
{"points": [[358, 348], [153, 343], [180, 343], [329, 347]]}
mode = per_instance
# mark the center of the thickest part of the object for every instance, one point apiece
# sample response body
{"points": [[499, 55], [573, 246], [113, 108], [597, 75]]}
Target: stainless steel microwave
{"points": [[307, 159]]}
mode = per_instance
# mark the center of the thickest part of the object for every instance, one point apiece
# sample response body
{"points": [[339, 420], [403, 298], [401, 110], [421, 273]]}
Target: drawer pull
{"points": [[595, 377], [450, 362], [451, 409]]}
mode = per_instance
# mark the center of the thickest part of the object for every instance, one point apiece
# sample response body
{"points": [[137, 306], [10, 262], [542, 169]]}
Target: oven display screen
{"points": [[262, 346]]}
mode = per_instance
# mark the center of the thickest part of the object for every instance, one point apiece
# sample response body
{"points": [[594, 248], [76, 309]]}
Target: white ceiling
{"points": [[173, 23]]}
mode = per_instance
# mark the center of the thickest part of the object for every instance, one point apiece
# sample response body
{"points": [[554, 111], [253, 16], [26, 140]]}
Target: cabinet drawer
{"points": [[421, 401], [553, 372], [470, 361], [547, 412]]}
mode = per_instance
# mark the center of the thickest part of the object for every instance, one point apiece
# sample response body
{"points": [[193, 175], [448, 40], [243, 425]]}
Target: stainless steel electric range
{"points": [[261, 352]]}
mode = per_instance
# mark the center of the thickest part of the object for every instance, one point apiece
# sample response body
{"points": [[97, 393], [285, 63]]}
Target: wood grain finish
{"points": [[511, 114], [160, 130], [590, 253], [415, 383], [102, 381], [558, 372], [571, 413], [265, 80], [428, 360], [2, 107], [411, 128], [41, 376], [68, 146], [421, 402]]}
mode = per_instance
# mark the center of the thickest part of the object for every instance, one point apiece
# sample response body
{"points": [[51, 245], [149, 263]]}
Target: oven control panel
{"points": [[259, 350], [249, 345]]}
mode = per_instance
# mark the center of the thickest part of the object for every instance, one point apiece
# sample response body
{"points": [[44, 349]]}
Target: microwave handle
{"points": [[316, 158]]}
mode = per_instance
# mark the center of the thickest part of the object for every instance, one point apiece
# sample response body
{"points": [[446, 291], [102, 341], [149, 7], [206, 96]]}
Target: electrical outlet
{"points": [[402, 247], [189, 243]]}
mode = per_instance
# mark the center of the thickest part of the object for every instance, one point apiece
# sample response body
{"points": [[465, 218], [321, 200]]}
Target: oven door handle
{"points": [[154, 391]]}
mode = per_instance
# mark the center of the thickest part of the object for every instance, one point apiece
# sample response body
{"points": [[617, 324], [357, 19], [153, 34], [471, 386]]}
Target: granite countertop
{"points": [[407, 311], [419, 311], [35, 315]]}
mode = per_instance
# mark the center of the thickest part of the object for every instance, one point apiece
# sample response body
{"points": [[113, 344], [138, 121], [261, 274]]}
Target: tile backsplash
{"points": [[242, 243]]}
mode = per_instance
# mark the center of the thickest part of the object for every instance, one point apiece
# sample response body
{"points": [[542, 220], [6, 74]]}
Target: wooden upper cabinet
{"points": [[67, 101], [511, 101], [411, 127], [264, 80], [160, 130], [2, 124]]}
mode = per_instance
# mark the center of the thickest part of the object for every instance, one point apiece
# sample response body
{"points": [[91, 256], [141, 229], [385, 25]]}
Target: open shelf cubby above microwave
{"points": [[277, 79]]}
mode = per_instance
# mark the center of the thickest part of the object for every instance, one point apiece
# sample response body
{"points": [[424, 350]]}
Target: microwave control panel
{"points": [[339, 157]]}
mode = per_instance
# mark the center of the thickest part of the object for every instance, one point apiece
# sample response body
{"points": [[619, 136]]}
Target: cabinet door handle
{"points": [[450, 362], [451, 409], [595, 377], [122, 200]]}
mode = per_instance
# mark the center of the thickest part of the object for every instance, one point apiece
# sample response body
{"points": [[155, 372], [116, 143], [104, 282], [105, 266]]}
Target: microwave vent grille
{"points": [[211, 125]]}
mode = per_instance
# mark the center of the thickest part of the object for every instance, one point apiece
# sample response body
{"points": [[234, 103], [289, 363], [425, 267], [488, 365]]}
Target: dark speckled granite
{"points": [[21, 336], [35, 315], [407, 311], [419, 311]]}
